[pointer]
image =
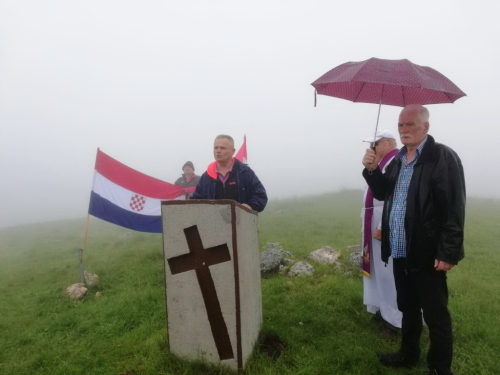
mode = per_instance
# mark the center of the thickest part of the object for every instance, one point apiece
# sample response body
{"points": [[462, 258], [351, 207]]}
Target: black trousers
{"points": [[425, 291]]}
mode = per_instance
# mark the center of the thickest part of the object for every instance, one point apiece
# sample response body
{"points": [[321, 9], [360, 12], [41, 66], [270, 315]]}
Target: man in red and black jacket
{"points": [[228, 178], [188, 180]]}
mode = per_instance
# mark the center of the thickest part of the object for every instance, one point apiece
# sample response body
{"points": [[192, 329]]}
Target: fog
{"points": [[151, 83]]}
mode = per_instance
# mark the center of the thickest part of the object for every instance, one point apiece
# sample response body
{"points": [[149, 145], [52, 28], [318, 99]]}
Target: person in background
{"points": [[228, 178], [188, 179], [379, 291], [423, 190]]}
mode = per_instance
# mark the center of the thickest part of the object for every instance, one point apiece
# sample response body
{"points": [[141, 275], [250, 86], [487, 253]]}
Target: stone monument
{"points": [[212, 276]]}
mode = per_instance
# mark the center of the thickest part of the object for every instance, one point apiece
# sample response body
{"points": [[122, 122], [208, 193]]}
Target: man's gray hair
{"points": [[225, 136], [422, 112]]}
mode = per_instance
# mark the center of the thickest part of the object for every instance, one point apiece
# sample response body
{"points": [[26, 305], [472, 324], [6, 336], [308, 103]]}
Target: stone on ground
{"points": [[355, 257], [325, 255], [76, 291], [270, 261], [301, 269], [91, 278]]}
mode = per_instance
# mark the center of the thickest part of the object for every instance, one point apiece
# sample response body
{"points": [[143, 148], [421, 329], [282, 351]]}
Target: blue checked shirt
{"points": [[397, 220]]}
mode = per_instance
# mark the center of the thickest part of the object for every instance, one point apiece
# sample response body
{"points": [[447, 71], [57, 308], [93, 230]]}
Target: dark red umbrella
{"points": [[391, 82]]}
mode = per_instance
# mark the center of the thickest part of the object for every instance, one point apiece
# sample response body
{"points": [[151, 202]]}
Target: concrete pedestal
{"points": [[212, 275]]}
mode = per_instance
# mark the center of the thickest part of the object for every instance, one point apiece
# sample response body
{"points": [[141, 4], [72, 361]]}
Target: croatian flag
{"points": [[126, 197], [241, 155]]}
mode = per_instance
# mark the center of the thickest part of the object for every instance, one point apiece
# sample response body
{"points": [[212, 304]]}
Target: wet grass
{"points": [[314, 325]]}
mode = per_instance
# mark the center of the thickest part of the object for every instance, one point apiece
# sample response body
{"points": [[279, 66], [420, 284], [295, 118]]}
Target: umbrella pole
{"points": [[376, 125], [378, 116]]}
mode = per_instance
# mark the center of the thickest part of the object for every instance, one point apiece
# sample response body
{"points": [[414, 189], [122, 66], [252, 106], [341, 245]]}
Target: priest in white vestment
{"points": [[379, 290]]}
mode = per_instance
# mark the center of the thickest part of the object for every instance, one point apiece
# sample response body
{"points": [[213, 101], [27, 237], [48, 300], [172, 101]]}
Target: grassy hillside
{"points": [[320, 320]]}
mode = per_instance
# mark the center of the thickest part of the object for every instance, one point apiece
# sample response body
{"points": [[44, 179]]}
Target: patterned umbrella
{"points": [[391, 82]]}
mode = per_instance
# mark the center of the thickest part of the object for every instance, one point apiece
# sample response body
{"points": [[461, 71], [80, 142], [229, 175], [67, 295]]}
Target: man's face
{"points": [[411, 129], [223, 150], [383, 147], [188, 171]]}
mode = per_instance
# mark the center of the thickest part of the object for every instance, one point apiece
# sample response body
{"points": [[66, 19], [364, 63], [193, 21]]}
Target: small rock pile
{"points": [[275, 259], [77, 291]]}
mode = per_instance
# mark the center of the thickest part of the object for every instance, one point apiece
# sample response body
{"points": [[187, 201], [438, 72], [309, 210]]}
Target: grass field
{"points": [[321, 320]]}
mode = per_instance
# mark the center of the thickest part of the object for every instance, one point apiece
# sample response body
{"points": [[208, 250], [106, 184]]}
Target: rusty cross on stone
{"points": [[199, 259]]}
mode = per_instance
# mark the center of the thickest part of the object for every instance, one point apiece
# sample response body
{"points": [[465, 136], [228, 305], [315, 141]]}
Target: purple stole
{"points": [[367, 233]]}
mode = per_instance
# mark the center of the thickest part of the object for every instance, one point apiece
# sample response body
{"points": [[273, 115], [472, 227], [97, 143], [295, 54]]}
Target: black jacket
{"points": [[435, 208], [250, 189]]}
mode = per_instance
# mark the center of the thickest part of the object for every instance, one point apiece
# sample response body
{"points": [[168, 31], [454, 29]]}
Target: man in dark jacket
{"points": [[228, 178], [423, 191], [188, 179]]}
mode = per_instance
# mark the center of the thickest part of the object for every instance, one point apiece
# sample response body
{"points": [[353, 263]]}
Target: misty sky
{"points": [[153, 82]]}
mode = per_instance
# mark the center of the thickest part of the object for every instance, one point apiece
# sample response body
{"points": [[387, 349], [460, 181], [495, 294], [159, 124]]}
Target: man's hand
{"points": [[369, 160], [439, 265], [247, 206], [377, 234]]}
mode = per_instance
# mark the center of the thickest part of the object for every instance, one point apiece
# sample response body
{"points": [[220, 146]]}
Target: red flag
{"points": [[241, 155]]}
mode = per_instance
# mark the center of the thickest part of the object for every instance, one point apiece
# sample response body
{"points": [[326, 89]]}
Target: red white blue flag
{"points": [[241, 155], [126, 197]]}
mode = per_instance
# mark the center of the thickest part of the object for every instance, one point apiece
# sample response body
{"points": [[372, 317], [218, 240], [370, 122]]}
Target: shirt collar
{"points": [[404, 150], [419, 148], [230, 168]]}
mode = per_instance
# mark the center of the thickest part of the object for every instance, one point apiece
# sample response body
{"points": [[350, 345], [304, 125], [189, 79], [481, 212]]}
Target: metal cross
{"points": [[199, 259]]}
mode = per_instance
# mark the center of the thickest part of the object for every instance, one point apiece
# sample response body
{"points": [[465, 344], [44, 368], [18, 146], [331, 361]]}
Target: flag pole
{"points": [[81, 251], [85, 237]]}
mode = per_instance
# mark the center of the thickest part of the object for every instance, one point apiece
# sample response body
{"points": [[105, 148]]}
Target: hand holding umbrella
{"points": [[370, 159]]}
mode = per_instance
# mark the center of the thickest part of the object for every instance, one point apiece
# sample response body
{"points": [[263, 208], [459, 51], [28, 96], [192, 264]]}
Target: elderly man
{"points": [[423, 191], [228, 178], [379, 291]]}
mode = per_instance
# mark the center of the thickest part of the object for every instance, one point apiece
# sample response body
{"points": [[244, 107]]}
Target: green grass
{"points": [[321, 319]]}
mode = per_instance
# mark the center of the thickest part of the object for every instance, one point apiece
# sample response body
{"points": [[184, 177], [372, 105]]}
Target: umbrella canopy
{"points": [[391, 82]]}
